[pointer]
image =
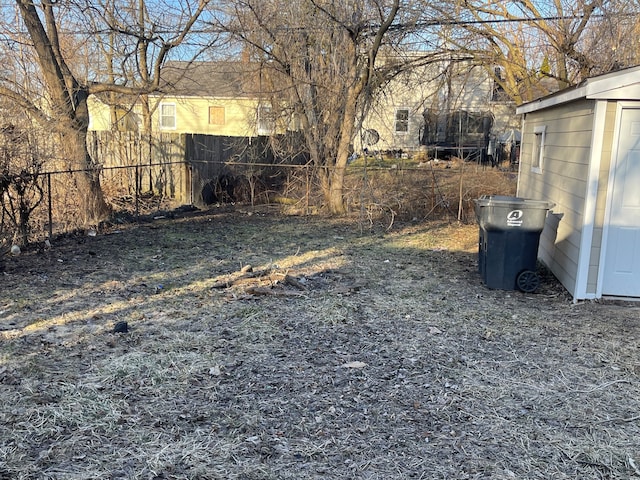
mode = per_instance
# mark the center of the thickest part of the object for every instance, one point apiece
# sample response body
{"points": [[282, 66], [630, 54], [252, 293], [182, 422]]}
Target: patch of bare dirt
{"points": [[259, 346]]}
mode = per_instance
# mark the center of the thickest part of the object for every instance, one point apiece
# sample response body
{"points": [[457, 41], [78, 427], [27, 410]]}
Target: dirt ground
{"points": [[260, 346]]}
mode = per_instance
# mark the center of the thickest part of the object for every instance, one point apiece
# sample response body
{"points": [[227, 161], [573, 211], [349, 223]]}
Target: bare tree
{"points": [[21, 161], [607, 40], [139, 49], [533, 42], [319, 67]]}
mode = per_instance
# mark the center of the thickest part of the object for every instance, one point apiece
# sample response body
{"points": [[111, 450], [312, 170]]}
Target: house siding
{"points": [[424, 88], [192, 116], [563, 181], [99, 115]]}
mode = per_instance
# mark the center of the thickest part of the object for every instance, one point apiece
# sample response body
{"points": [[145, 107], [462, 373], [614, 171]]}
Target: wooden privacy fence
{"points": [[189, 168], [134, 162], [161, 166], [133, 167], [227, 168], [60, 212]]}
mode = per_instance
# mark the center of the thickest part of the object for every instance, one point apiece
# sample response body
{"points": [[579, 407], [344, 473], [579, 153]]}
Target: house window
{"points": [[537, 157], [402, 120], [216, 115], [168, 116], [265, 120]]}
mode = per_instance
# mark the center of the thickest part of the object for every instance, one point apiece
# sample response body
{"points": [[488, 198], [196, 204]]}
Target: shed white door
{"points": [[621, 274]]}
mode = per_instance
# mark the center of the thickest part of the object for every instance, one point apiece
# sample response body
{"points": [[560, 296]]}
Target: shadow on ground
{"points": [[386, 358]]}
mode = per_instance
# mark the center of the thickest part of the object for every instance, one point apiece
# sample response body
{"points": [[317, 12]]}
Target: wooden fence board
{"points": [[134, 161]]}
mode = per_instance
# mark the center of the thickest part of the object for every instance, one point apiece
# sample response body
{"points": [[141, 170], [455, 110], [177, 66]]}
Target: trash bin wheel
{"points": [[528, 281]]}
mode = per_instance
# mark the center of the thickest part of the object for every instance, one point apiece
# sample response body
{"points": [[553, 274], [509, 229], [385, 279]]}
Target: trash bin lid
{"points": [[501, 213], [515, 202]]}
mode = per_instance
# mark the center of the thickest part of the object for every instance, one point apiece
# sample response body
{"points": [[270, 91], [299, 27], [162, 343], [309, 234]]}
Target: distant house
{"points": [[440, 106], [212, 114], [209, 98], [581, 151]]}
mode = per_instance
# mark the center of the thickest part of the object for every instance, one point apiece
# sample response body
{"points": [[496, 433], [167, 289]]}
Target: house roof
{"points": [[619, 85], [211, 79]]}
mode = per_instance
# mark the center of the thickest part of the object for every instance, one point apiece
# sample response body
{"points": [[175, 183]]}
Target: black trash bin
{"points": [[510, 229]]}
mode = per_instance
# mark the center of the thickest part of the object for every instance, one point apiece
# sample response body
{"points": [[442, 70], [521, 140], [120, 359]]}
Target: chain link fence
{"points": [[377, 193]]}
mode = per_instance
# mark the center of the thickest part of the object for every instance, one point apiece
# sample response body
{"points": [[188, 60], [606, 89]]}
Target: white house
{"points": [[442, 104]]}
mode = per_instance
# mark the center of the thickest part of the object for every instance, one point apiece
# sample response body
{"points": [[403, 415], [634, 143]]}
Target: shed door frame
{"points": [[610, 183], [581, 289]]}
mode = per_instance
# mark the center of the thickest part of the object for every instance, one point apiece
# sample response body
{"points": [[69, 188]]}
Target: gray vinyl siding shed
{"points": [[566, 156]]}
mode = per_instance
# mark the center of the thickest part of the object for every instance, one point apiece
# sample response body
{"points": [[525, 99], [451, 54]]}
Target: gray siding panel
{"points": [[563, 180]]}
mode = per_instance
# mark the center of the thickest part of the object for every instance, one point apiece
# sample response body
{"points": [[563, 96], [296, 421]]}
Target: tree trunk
{"points": [[336, 200], [69, 103], [93, 207]]}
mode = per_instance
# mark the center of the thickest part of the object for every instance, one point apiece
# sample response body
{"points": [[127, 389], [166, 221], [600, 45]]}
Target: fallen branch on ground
{"points": [[273, 291], [261, 282]]}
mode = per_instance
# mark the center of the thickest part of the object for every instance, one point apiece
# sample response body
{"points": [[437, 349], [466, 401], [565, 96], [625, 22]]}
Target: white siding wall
{"points": [[423, 88], [414, 90], [563, 181]]}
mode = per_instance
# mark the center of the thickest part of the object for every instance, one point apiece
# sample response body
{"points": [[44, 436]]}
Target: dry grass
{"points": [[426, 191], [405, 191], [395, 361]]}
